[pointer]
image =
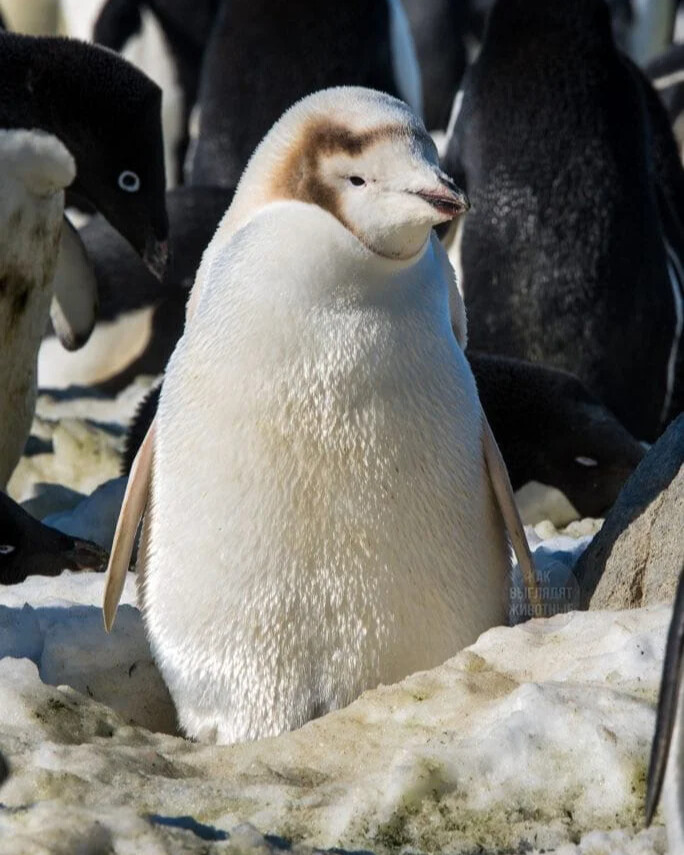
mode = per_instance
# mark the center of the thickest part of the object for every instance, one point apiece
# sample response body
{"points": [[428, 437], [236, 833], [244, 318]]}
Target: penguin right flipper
{"points": [[132, 509], [667, 703], [74, 302]]}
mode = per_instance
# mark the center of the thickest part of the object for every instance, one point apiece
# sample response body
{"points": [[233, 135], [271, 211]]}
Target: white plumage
{"points": [[320, 516], [34, 170]]}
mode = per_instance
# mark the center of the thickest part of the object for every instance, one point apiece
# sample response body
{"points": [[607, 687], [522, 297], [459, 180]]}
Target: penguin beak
{"points": [[156, 257], [446, 198]]}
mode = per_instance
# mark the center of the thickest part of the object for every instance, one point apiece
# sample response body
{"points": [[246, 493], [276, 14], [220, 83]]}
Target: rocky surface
{"points": [[638, 555], [535, 737]]}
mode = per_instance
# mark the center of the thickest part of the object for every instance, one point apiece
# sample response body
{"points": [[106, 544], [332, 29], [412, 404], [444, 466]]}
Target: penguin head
{"points": [[108, 115], [363, 157], [119, 153]]}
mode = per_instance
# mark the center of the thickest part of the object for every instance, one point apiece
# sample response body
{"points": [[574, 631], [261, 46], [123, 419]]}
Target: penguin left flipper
{"points": [[503, 492], [132, 509], [74, 303], [667, 704]]}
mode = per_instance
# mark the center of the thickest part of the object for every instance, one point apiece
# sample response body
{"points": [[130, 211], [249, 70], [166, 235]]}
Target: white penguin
{"points": [[666, 769], [43, 272], [320, 517]]}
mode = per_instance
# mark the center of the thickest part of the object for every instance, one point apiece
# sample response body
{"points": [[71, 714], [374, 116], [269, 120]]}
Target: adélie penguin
{"points": [[563, 255], [107, 114], [320, 424], [262, 57]]}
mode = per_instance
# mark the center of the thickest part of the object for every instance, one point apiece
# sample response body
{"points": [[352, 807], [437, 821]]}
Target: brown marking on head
{"points": [[299, 177]]}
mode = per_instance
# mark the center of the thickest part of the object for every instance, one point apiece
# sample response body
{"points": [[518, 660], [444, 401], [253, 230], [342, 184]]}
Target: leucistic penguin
{"points": [[261, 58], [107, 114], [41, 263], [563, 256], [320, 424], [666, 769]]}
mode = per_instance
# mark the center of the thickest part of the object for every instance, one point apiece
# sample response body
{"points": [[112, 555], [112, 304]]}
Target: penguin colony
{"points": [[326, 409]]}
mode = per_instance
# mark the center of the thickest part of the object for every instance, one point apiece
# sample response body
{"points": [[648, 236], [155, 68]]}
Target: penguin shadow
{"points": [[211, 833], [647, 482]]}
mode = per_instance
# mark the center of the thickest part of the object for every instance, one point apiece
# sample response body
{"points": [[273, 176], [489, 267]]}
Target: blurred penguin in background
{"points": [[666, 73], [263, 55], [184, 26], [439, 29], [563, 256]]}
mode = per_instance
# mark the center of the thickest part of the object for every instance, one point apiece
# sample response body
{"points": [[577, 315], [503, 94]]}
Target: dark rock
{"points": [[638, 555]]}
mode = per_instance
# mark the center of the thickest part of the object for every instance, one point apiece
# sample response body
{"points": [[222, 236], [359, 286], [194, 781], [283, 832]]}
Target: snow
{"points": [[537, 734]]}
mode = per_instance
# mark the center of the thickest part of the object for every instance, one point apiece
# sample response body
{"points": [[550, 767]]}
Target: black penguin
{"points": [[670, 706], [107, 114], [439, 29], [186, 25], [29, 548], [125, 285], [552, 430], [263, 56], [563, 255]]}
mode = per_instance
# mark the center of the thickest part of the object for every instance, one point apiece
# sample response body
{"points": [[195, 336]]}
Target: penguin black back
{"points": [[262, 57], [563, 255], [108, 115]]}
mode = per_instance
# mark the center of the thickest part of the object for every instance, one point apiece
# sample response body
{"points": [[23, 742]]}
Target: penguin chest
{"points": [[29, 245]]}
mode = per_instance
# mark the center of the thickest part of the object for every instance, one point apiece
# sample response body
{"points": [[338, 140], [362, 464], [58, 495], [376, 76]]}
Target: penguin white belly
{"points": [[320, 518], [30, 230]]}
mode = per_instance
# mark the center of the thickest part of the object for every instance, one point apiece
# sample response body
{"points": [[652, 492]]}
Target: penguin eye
{"points": [[356, 180], [586, 461], [6, 548], [129, 181]]}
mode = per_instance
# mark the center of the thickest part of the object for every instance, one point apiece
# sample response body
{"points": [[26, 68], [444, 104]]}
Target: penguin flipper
{"points": [[132, 509], [501, 484], [74, 303], [667, 703]]}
